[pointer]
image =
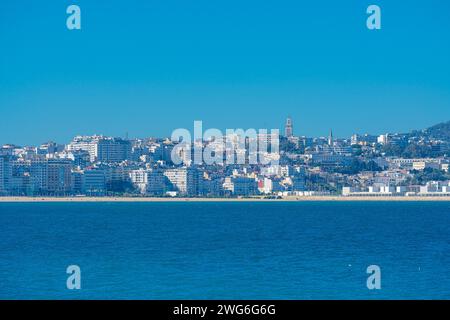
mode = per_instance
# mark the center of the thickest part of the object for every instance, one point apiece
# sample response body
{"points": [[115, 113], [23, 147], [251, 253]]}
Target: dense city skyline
{"points": [[233, 164]]}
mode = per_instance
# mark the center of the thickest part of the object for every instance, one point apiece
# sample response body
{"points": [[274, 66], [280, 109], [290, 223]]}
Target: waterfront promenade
{"points": [[254, 199]]}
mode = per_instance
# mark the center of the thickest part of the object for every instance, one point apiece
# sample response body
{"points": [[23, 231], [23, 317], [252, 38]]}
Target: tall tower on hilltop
{"points": [[288, 131]]}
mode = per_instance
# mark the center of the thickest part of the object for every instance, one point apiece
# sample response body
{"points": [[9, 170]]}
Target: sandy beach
{"points": [[155, 199]]}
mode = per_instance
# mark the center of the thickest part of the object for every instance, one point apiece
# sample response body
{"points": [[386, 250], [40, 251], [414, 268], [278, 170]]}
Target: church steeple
{"points": [[330, 138]]}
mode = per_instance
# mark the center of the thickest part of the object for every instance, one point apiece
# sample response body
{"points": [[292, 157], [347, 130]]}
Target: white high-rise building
{"points": [[149, 181], [241, 186], [187, 181], [102, 149], [139, 178], [42, 176], [85, 143], [5, 174], [59, 176], [113, 150], [2, 173], [383, 139], [39, 175], [94, 181]]}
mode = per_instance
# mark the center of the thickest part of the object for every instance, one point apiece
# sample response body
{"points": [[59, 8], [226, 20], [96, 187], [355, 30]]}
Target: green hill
{"points": [[439, 131]]}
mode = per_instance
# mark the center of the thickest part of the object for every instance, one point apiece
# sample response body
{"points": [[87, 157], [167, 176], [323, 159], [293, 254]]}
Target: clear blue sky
{"points": [[148, 67]]}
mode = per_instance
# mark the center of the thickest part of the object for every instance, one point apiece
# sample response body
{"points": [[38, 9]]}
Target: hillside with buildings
{"points": [[388, 164]]}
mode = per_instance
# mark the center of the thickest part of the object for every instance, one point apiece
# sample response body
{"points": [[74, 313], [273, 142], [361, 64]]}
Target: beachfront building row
{"points": [[188, 181], [64, 176], [431, 188], [59, 177]]}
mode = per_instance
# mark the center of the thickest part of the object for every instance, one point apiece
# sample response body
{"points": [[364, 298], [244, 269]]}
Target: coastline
{"points": [[156, 199]]}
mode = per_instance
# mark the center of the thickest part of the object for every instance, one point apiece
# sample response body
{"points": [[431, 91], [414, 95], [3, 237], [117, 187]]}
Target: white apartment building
{"points": [[102, 149], [416, 164], [39, 175], [94, 181], [277, 170], [187, 181], [139, 178], [2, 174], [422, 165], [59, 176], [432, 188], [113, 150], [241, 186], [86, 143], [42, 176], [5, 174], [435, 187], [271, 185], [149, 181], [383, 139]]}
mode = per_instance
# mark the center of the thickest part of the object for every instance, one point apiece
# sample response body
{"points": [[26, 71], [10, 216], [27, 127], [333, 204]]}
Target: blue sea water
{"points": [[225, 250]]}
